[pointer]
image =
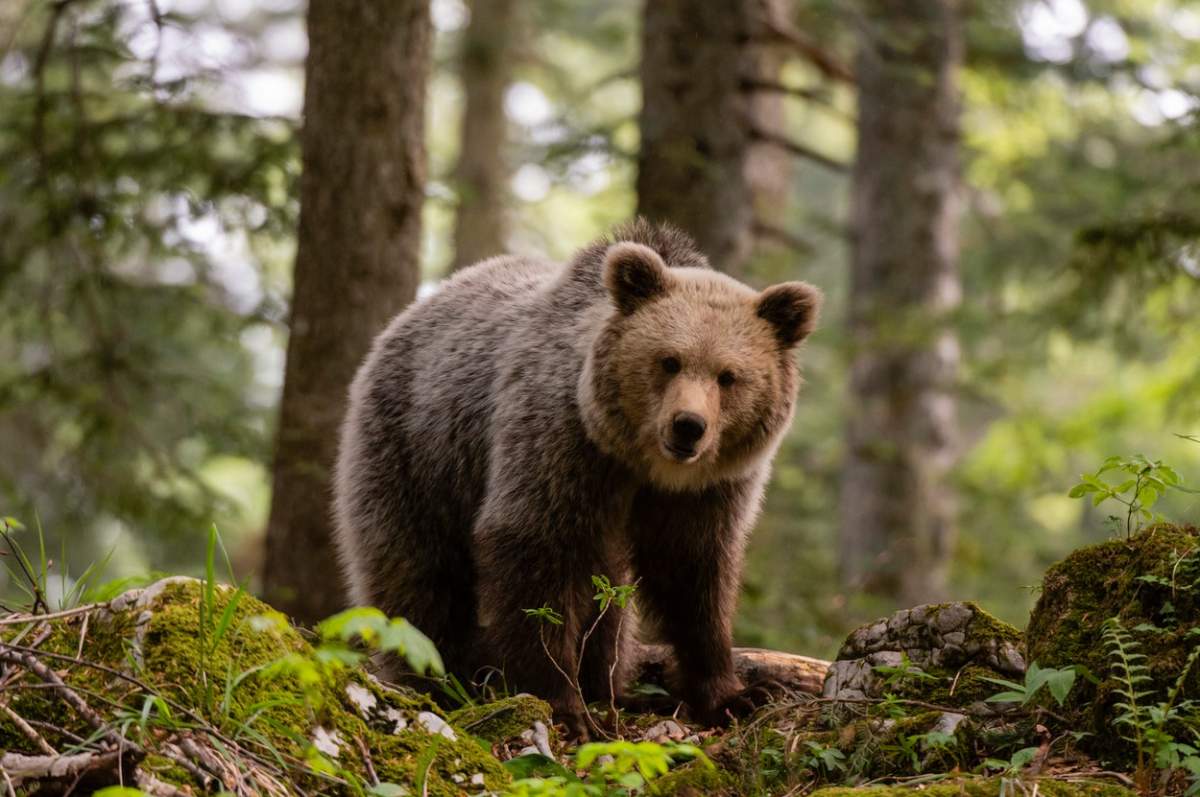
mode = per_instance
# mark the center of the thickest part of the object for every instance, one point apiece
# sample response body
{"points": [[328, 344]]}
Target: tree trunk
{"points": [[356, 263], [694, 124], [897, 526], [482, 173], [769, 168]]}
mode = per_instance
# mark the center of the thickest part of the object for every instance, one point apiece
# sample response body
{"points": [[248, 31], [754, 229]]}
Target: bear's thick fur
{"points": [[530, 425]]}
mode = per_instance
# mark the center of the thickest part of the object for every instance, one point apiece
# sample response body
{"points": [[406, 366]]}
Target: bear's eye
{"points": [[726, 378], [671, 365]]}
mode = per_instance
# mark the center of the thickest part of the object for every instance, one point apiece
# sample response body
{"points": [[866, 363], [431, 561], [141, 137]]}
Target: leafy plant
{"points": [[1058, 681], [823, 758], [1145, 482], [1010, 770], [607, 595], [1148, 724], [896, 675], [368, 628]]}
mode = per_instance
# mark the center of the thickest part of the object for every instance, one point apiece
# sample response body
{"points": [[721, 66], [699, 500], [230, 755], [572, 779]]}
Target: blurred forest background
{"points": [[1001, 200]]}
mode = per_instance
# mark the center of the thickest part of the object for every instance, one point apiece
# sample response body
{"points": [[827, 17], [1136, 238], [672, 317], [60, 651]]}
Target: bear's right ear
{"points": [[634, 274]]}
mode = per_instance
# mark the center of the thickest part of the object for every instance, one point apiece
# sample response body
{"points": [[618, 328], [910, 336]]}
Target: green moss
{"points": [[693, 780], [952, 688], [502, 719], [974, 787], [230, 685], [1149, 583], [984, 625]]}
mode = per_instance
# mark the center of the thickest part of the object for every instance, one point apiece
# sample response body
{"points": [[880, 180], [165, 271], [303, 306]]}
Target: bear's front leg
{"points": [[688, 554], [522, 567]]}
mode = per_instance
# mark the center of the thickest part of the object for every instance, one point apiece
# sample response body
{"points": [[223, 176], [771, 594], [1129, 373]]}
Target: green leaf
{"points": [[387, 790], [362, 621], [537, 765], [1007, 697], [1060, 682]]}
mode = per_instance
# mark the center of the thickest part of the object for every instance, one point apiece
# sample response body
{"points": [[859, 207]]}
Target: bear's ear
{"points": [[792, 309], [634, 274]]}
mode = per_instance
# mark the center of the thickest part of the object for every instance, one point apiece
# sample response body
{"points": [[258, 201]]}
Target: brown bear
{"points": [[531, 425]]}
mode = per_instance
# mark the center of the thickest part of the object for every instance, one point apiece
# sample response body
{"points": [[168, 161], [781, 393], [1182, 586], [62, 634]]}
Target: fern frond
{"points": [[1128, 670]]}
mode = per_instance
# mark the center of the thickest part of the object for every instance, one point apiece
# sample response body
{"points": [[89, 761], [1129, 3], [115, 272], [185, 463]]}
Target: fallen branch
{"points": [[69, 696], [21, 619], [28, 730], [108, 764]]}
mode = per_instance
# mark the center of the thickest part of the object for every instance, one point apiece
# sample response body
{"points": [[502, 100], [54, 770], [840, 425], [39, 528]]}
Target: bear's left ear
{"points": [[634, 274], [792, 309]]}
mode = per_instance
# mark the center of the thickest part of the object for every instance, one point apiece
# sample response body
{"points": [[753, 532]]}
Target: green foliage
{"points": [[1149, 481], [30, 575], [1152, 726], [607, 593], [336, 652], [141, 229], [1010, 770], [612, 769], [822, 758], [899, 675], [1058, 681], [544, 614]]}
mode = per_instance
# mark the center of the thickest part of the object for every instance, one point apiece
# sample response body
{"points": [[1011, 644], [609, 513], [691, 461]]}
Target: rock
{"points": [[665, 731], [950, 647], [503, 719], [1151, 584]]}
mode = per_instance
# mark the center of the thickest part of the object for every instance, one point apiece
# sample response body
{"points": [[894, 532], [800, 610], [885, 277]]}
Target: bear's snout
{"points": [[687, 429]]}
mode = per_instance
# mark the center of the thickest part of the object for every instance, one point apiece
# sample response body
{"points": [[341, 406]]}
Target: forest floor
{"points": [[187, 687]]}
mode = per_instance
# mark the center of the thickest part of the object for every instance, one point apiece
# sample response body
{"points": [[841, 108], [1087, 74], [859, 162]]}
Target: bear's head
{"points": [[692, 380]]}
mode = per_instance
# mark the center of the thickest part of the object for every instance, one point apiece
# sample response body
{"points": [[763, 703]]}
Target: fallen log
{"points": [[796, 672]]}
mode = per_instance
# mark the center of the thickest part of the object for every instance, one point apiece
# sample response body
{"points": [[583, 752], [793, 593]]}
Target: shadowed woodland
{"points": [[208, 210]]}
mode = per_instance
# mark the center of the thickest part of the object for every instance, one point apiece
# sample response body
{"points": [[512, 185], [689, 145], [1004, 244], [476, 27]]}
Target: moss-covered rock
{"points": [[979, 787], [694, 780], [938, 653], [1151, 584], [503, 719], [185, 691]]}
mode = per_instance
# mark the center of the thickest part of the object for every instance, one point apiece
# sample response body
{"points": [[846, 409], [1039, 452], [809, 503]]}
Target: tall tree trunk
{"points": [[356, 264], [897, 526], [769, 168], [482, 173], [695, 135]]}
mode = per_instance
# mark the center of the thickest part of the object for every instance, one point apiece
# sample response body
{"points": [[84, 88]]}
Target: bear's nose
{"points": [[687, 428]]}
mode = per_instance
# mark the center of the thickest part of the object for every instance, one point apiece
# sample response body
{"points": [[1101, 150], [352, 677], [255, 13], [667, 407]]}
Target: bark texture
{"points": [[482, 173], [769, 171], [897, 525], [753, 665], [694, 124], [356, 263]]}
